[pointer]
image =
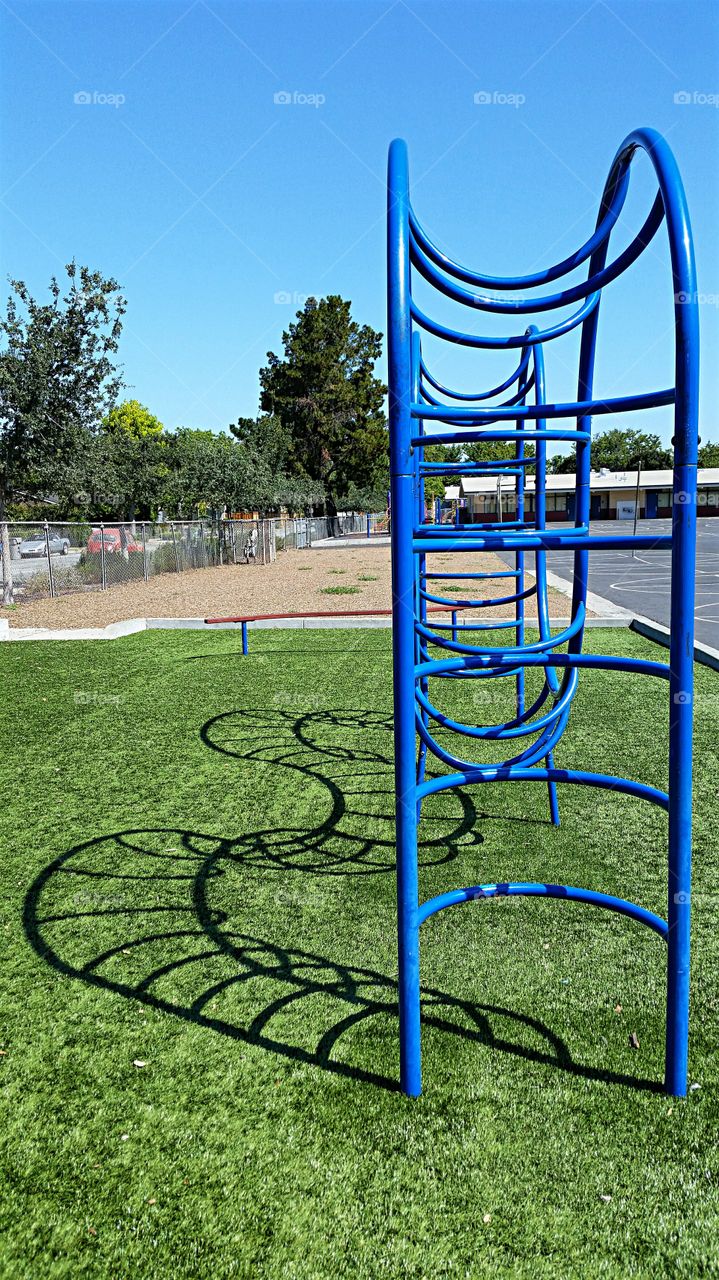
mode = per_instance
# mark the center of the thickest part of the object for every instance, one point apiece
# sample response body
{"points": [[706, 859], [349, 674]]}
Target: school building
{"points": [[613, 496]]}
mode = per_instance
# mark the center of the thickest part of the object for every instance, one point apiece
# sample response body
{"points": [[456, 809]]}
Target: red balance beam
{"points": [[322, 613]]}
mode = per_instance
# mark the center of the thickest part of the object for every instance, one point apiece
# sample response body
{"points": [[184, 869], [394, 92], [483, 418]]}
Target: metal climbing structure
{"points": [[427, 651]]}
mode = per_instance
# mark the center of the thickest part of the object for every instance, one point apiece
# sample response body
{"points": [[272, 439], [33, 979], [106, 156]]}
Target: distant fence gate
{"points": [[50, 559]]}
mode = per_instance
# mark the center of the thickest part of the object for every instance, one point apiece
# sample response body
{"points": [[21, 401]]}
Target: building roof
{"points": [[706, 476]]}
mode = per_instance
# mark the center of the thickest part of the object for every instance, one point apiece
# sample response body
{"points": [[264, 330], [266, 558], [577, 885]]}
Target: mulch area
{"points": [[298, 581]]}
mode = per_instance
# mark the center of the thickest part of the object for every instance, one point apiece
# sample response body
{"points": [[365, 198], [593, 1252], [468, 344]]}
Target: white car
{"points": [[35, 544]]}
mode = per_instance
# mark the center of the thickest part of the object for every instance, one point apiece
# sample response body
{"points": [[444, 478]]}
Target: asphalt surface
{"points": [[641, 582], [28, 566]]}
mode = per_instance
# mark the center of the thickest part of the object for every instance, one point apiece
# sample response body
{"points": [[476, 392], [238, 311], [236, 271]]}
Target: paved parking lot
{"points": [[641, 582]]}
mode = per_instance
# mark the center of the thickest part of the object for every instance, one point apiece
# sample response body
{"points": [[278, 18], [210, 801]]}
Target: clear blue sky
{"points": [[208, 200]]}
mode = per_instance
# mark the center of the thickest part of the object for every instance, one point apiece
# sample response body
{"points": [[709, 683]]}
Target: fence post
{"points": [[174, 543], [103, 571], [7, 595], [220, 536], [50, 574], [144, 552]]}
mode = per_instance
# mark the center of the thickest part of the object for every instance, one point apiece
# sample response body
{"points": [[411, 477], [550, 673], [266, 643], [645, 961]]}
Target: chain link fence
{"points": [[49, 559]]}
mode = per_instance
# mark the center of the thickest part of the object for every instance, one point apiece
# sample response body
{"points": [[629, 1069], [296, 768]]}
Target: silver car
{"points": [[35, 544]]}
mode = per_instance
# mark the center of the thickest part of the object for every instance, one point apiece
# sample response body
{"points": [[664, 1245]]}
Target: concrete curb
{"points": [[116, 630], [341, 544], [113, 631], [703, 653]]}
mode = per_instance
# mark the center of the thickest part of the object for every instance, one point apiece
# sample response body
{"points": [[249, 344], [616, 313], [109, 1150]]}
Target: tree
{"points": [[327, 398], [207, 470], [709, 454], [496, 450], [134, 419], [267, 444], [57, 380], [434, 485], [134, 452], [620, 449]]}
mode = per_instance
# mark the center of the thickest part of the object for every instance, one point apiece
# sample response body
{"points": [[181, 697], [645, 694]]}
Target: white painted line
{"points": [[596, 604]]}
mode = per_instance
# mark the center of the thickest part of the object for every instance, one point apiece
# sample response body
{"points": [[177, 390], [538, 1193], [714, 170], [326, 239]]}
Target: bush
{"points": [[117, 568], [37, 585], [163, 559]]}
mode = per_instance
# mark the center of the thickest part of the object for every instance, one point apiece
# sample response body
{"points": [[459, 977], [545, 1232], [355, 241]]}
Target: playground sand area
{"points": [[327, 579]]}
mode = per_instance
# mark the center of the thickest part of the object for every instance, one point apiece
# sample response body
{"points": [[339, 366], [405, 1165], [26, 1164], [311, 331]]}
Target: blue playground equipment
{"points": [[425, 650]]}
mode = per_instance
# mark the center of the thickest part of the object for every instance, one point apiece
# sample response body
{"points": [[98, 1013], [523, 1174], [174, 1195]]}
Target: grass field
{"points": [[198, 1017]]}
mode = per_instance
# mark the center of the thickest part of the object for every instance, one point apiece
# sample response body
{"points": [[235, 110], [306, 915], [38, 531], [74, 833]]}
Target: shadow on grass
{"points": [[348, 754], [142, 913]]}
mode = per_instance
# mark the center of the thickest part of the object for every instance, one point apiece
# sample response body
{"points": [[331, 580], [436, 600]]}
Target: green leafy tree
{"points": [[495, 450], [709, 454], [620, 449], [57, 380], [434, 486], [327, 398], [134, 419], [208, 471], [266, 440]]}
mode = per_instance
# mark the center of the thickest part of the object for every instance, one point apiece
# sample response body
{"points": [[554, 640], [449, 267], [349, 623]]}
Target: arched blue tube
{"points": [[509, 523], [547, 302]]}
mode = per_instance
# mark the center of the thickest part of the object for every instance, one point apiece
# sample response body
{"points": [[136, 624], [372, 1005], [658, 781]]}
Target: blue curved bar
{"points": [[576, 409], [531, 889], [446, 782], [540, 277], [477, 395], [547, 302], [596, 661], [503, 344], [524, 423]]}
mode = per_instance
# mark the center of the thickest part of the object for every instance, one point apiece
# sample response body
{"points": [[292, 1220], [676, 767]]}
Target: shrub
{"points": [[117, 568], [339, 591], [163, 559]]}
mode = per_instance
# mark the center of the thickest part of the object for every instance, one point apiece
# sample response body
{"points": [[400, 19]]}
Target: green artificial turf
{"points": [[197, 860]]}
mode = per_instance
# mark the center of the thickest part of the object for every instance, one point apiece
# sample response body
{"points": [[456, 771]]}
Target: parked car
{"points": [[112, 540], [35, 544]]}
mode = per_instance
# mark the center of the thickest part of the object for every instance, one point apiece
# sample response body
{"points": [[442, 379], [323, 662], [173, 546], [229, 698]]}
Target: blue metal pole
{"points": [[681, 653], [403, 517], [244, 638]]}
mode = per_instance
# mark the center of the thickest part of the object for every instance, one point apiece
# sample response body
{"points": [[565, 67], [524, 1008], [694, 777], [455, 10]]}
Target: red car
{"points": [[112, 540]]}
